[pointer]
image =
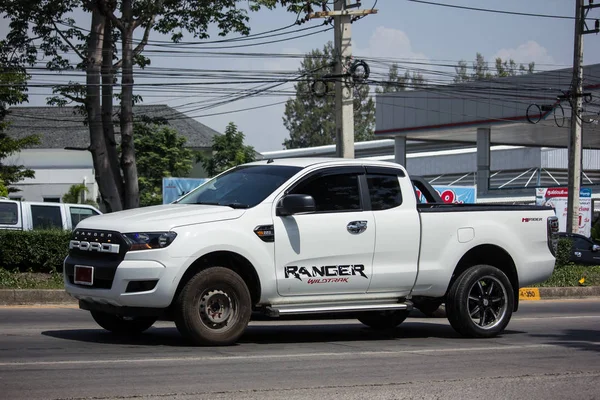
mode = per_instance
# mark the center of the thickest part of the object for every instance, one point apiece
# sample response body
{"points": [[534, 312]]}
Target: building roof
{"points": [[60, 127]]}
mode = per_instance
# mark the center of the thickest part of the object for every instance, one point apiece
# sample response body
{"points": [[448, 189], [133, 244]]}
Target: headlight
{"points": [[151, 240]]}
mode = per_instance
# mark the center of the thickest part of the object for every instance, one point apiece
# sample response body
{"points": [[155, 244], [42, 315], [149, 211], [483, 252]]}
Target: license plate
{"points": [[84, 275]]}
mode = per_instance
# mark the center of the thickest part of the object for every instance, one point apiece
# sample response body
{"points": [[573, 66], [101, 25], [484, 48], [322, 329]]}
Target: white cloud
{"points": [[389, 43], [527, 52]]}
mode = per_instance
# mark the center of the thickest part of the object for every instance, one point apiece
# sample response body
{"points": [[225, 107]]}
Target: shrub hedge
{"points": [[33, 251]]}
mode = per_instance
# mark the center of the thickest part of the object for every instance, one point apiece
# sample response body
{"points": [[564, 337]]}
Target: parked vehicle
{"points": [[308, 236], [28, 215], [584, 250]]}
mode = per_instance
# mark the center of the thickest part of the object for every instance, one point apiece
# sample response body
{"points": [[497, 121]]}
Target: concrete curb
{"points": [[10, 297], [549, 293]]}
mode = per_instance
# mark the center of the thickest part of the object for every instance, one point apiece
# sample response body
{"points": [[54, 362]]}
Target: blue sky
{"points": [[400, 30]]}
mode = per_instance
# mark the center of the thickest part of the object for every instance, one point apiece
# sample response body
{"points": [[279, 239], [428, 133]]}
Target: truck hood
{"points": [[160, 218]]}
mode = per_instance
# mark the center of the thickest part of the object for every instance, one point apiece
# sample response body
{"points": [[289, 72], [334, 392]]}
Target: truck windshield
{"points": [[242, 187]]}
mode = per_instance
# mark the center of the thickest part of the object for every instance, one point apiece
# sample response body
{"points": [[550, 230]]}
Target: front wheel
{"points": [[214, 307], [381, 320], [122, 325], [480, 302]]}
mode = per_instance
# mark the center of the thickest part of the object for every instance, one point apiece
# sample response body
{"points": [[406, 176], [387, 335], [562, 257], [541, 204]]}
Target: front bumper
{"points": [[115, 292]]}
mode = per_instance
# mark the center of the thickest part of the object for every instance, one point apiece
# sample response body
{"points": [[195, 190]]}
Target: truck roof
{"points": [[304, 162]]}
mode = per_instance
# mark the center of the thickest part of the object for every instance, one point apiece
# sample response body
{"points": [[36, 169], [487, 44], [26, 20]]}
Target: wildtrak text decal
{"points": [[329, 270]]}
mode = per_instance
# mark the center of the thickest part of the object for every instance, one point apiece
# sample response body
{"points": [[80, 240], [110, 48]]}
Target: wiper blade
{"points": [[232, 205], [235, 205]]}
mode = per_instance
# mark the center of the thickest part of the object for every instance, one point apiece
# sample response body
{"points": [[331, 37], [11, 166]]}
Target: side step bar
{"points": [[334, 308]]}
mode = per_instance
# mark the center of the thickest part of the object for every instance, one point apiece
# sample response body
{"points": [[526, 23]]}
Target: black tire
{"points": [[491, 301], [216, 287], [123, 325], [381, 320]]}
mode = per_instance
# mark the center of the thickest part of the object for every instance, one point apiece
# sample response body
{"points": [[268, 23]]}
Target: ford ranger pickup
{"points": [[308, 236]]}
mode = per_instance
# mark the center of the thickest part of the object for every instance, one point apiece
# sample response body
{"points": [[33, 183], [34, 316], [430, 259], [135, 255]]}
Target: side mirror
{"points": [[295, 204], [595, 247]]}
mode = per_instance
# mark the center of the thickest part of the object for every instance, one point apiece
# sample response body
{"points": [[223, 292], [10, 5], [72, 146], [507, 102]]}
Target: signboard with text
{"points": [[454, 194], [557, 198]]}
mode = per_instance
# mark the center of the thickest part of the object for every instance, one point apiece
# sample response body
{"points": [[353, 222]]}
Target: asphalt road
{"points": [[550, 350]]}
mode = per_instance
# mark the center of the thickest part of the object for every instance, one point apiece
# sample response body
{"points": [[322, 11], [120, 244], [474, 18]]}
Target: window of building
{"points": [[51, 199], [384, 191], [338, 192], [46, 217], [78, 214], [9, 214]]}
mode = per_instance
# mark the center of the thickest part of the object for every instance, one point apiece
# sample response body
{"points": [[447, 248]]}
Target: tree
{"points": [[481, 69], [12, 92], [57, 36], [396, 82], [310, 119], [75, 195], [160, 152], [228, 150]]}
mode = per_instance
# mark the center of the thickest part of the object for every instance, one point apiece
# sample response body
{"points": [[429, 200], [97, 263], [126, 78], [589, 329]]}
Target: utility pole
{"points": [[344, 98], [576, 97]]}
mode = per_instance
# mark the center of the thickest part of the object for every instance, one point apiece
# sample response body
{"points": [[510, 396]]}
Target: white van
{"points": [[29, 215]]}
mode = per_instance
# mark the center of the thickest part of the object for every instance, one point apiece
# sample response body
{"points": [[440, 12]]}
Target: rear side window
{"points": [[78, 214], [46, 217], [384, 191], [9, 214]]}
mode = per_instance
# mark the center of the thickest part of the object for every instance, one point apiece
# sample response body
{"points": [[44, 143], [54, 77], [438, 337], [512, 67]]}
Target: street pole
{"points": [[575, 137], [344, 99], [576, 99]]}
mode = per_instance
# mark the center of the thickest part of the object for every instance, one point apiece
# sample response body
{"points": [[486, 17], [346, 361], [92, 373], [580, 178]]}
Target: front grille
{"points": [[89, 254], [93, 240]]}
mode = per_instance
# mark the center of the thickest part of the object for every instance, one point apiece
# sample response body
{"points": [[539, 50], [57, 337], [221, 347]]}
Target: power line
{"points": [[492, 11]]}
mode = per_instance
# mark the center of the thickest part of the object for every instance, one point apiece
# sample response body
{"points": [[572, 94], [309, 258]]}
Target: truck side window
{"points": [[8, 214], [338, 192], [46, 217], [78, 214], [384, 191], [581, 244]]}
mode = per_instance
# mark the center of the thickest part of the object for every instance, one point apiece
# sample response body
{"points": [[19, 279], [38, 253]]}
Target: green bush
{"points": [[33, 251], [563, 252], [570, 274]]}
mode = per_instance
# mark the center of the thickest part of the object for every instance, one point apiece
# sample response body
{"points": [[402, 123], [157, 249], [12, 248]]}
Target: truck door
{"points": [[329, 251], [10, 215], [398, 230]]}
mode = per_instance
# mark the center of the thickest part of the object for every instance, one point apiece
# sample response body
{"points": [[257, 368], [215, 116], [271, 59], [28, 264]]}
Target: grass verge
{"points": [[569, 275], [30, 280]]}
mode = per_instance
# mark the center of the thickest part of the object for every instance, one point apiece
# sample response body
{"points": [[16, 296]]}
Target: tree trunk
{"points": [[128, 165], [108, 75], [102, 167]]}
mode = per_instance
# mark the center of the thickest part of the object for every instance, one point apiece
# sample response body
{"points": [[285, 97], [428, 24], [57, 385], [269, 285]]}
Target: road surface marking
{"points": [[276, 356]]}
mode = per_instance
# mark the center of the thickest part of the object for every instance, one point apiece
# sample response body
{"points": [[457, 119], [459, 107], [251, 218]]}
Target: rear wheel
{"points": [[122, 325], [380, 320], [480, 302], [214, 307]]}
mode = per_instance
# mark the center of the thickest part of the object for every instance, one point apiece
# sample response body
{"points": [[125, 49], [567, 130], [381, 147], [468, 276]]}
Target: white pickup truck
{"points": [[308, 236]]}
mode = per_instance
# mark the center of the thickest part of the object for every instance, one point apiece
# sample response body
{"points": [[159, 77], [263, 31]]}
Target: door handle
{"points": [[356, 227]]}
